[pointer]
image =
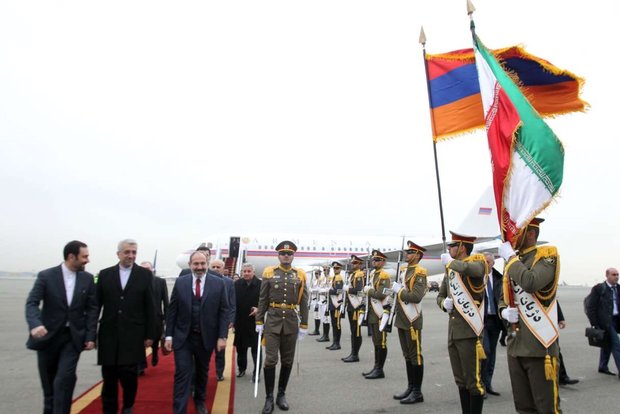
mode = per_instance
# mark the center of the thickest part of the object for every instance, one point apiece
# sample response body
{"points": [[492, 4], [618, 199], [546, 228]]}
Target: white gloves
{"points": [[259, 329], [384, 321], [302, 333], [506, 251], [510, 314], [446, 259], [360, 318], [345, 288], [367, 288], [448, 304], [396, 287]]}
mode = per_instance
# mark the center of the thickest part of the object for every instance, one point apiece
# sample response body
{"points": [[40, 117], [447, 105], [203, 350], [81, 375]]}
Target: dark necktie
{"points": [[490, 297], [197, 288]]}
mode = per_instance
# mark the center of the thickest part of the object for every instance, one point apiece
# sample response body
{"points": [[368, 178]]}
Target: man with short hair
{"points": [[126, 327], [247, 292], [528, 302], [197, 323], [202, 248], [64, 326], [603, 310], [460, 295], [217, 268], [282, 295]]}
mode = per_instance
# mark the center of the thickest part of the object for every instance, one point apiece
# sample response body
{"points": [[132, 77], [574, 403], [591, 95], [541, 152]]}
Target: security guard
{"points": [[282, 295], [528, 302], [335, 302], [461, 294], [354, 289], [408, 320], [377, 309]]}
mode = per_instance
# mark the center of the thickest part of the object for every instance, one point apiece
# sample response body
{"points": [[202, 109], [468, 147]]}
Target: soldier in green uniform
{"points": [[335, 300], [282, 295], [528, 302], [408, 320], [461, 294], [376, 309], [353, 289]]}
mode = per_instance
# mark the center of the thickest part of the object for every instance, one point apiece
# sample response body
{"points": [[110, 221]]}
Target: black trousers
{"points": [[242, 351], [192, 369], [57, 366], [127, 375]]}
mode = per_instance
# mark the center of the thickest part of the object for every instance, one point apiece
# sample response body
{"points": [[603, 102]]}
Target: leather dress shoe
{"points": [[128, 410], [240, 374], [220, 377], [351, 358], [606, 371], [154, 360], [568, 381], [201, 409], [492, 392], [281, 401]]}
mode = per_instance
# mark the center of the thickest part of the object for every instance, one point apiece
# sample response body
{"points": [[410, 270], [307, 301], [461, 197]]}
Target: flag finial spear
{"points": [[470, 8], [422, 39]]}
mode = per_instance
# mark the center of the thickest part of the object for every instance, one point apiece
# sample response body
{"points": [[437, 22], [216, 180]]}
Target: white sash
{"points": [[354, 300], [335, 299], [377, 306], [464, 303], [542, 324], [412, 310]]}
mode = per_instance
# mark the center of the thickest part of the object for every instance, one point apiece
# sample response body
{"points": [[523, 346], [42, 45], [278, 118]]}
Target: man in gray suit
{"points": [[64, 326], [197, 323]]}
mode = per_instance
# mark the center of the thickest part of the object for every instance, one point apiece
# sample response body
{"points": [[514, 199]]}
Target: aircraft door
{"points": [[233, 248]]}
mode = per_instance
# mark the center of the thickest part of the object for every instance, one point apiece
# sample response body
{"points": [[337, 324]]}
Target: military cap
{"points": [[355, 259], [377, 254], [286, 246], [336, 264], [413, 248], [536, 222], [460, 238]]}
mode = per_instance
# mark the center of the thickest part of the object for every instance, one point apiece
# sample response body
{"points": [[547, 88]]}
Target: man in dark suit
{"points": [[126, 327], [493, 325], [160, 294], [202, 248], [64, 326], [603, 310], [247, 292], [216, 267], [197, 322]]}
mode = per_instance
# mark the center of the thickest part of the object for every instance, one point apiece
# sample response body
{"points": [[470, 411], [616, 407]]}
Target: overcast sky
{"points": [[167, 122]]}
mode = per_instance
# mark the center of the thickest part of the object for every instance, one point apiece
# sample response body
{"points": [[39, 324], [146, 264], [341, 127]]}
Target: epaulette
{"points": [[301, 274], [549, 253], [420, 271], [475, 258], [338, 278], [268, 272], [383, 274]]}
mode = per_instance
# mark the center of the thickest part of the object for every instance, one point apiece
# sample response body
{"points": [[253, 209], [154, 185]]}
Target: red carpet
{"points": [[155, 389]]}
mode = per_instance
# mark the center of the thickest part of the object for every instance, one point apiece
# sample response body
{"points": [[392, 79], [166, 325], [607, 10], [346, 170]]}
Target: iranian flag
{"points": [[527, 158]]}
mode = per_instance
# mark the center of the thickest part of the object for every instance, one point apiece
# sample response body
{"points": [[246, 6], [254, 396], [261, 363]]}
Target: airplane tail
{"points": [[481, 221]]}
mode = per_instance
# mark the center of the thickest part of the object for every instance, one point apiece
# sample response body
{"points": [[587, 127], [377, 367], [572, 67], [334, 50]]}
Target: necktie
{"points": [[197, 288], [490, 297]]}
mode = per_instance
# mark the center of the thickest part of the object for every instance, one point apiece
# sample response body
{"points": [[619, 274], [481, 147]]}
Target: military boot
{"points": [[325, 337], [374, 367], [465, 400], [270, 380], [378, 372], [336, 344], [416, 393], [285, 373], [476, 402], [317, 325], [405, 394]]}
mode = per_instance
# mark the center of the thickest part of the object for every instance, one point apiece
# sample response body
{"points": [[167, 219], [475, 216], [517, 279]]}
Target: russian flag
{"points": [[456, 105], [485, 211]]}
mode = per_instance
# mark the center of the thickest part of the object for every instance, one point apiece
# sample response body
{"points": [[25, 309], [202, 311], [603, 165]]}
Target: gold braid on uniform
{"points": [[548, 253], [476, 258]]}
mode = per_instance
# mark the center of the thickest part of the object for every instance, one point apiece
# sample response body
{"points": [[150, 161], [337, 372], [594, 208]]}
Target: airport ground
{"points": [[323, 384]]}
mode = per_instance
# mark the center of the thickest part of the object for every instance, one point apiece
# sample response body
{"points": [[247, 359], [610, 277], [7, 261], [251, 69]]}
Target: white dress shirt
{"points": [[69, 279], [202, 284], [124, 272]]}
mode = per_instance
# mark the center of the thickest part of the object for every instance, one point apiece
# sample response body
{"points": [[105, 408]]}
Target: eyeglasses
{"points": [[285, 253]]}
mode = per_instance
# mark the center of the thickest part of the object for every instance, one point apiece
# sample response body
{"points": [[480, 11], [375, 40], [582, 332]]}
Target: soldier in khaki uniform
{"points": [[282, 294], [461, 294], [353, 289], [530, 284], [335, 292], [408, 320], [376, 309]]}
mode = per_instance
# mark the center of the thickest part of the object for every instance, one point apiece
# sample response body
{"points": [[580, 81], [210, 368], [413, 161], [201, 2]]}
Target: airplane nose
{"points": [[183, 260]]}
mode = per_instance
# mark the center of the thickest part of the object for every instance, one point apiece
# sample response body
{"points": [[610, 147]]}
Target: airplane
{"points": [[315, 251]]}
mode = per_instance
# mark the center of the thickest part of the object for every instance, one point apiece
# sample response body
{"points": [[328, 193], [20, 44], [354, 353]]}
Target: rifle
{"points": [[343, 306], [363, 320], [511, 303]]}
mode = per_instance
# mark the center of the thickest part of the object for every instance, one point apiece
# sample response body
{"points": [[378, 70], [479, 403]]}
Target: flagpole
{"points": [[428, 89]]}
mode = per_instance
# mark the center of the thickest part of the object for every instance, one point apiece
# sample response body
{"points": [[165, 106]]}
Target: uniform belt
{"points": [[282, 305]]}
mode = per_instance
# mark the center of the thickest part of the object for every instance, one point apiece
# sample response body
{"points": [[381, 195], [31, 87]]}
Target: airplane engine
{"points": [[183, 260]]}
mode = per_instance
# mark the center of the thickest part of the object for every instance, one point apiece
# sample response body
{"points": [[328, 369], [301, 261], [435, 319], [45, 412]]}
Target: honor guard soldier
{"points": [[377, 310], [314, 302], [282, 295], [461, 294], [354, 290], [528, 302], [324, 286], [408, 320], [335, 302]]}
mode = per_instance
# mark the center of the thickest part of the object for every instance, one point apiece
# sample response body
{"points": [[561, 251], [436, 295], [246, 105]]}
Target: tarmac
{"points": [[321, 382]]}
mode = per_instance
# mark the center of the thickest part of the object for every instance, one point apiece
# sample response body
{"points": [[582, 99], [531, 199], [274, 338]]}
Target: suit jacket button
{"points": [[122, 297], [120, 311]]}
